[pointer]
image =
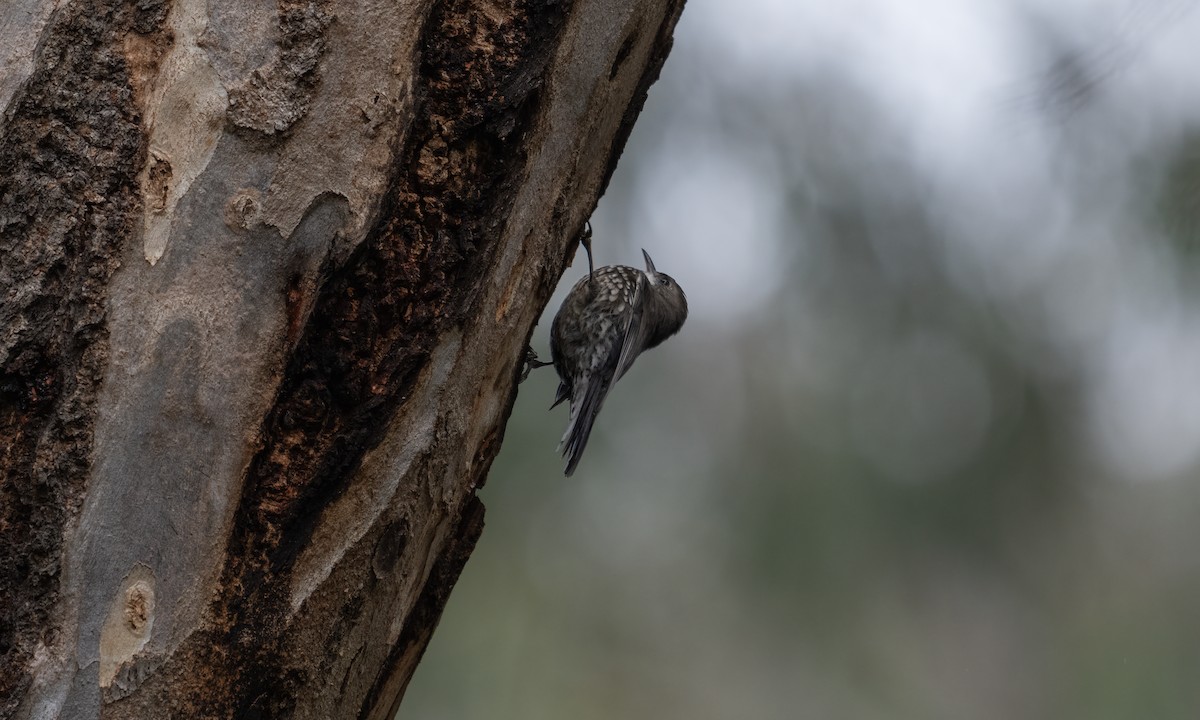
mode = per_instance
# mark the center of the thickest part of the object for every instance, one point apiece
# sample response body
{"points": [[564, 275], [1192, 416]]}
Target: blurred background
{"points": [[929, 444]]}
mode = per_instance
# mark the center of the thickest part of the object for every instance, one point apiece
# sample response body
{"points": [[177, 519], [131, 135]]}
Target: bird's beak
{"points": [[649, 262]]}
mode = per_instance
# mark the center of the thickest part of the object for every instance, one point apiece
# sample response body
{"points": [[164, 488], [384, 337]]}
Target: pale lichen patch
{"points": [[243, 209], [184, 116], [129, 623]]}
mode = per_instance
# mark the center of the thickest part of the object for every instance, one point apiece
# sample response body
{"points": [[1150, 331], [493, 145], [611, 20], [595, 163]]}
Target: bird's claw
{"points": [[530, 363], [585, 239]]}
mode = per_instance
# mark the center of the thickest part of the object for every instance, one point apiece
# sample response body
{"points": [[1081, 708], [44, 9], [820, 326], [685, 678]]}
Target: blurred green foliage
{"points": [[927, 447]]}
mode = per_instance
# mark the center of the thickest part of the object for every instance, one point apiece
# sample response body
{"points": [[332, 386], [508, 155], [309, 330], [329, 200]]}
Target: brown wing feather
{"points": [[590, 388]]}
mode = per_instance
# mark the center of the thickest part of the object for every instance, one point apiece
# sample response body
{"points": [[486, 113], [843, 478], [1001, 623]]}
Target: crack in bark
{"points": [[410, 646]]}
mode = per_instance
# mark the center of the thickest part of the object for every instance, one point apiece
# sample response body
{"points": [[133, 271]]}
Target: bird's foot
{"points": [[585, 239], [530, 363]]}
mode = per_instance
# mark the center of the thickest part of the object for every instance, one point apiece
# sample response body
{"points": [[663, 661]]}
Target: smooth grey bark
{"points": [[266, 275]]}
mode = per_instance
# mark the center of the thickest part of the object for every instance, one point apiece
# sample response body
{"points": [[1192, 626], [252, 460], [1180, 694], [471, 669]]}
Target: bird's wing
{"points": [[589, 391], [633, 340], [563, 393]]}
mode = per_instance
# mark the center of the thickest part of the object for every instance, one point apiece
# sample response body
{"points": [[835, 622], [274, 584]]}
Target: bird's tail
{"points": [[584, 407]]}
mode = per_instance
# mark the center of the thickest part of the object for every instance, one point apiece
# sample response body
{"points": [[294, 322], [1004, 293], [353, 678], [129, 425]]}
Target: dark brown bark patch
{"points": [[70, 155]]}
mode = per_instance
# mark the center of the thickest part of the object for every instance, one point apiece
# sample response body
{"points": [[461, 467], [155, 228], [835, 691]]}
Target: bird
{"points": [[612, 315]]}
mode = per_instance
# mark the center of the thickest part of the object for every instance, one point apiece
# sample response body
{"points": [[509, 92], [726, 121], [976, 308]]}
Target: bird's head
{"points": [[670, 306]]}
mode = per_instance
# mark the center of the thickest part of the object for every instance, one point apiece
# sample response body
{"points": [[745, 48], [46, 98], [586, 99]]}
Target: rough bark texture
{"points": [[266, 275]]}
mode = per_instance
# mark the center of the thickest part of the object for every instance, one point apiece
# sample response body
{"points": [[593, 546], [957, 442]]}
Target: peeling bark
{"points": [[266, 275]]}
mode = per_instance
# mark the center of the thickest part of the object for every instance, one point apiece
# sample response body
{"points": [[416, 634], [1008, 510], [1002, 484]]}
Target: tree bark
{"points": [[267, 276]]}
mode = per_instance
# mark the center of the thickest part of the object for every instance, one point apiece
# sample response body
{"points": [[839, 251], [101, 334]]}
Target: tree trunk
{"points": [[267, 277]]}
